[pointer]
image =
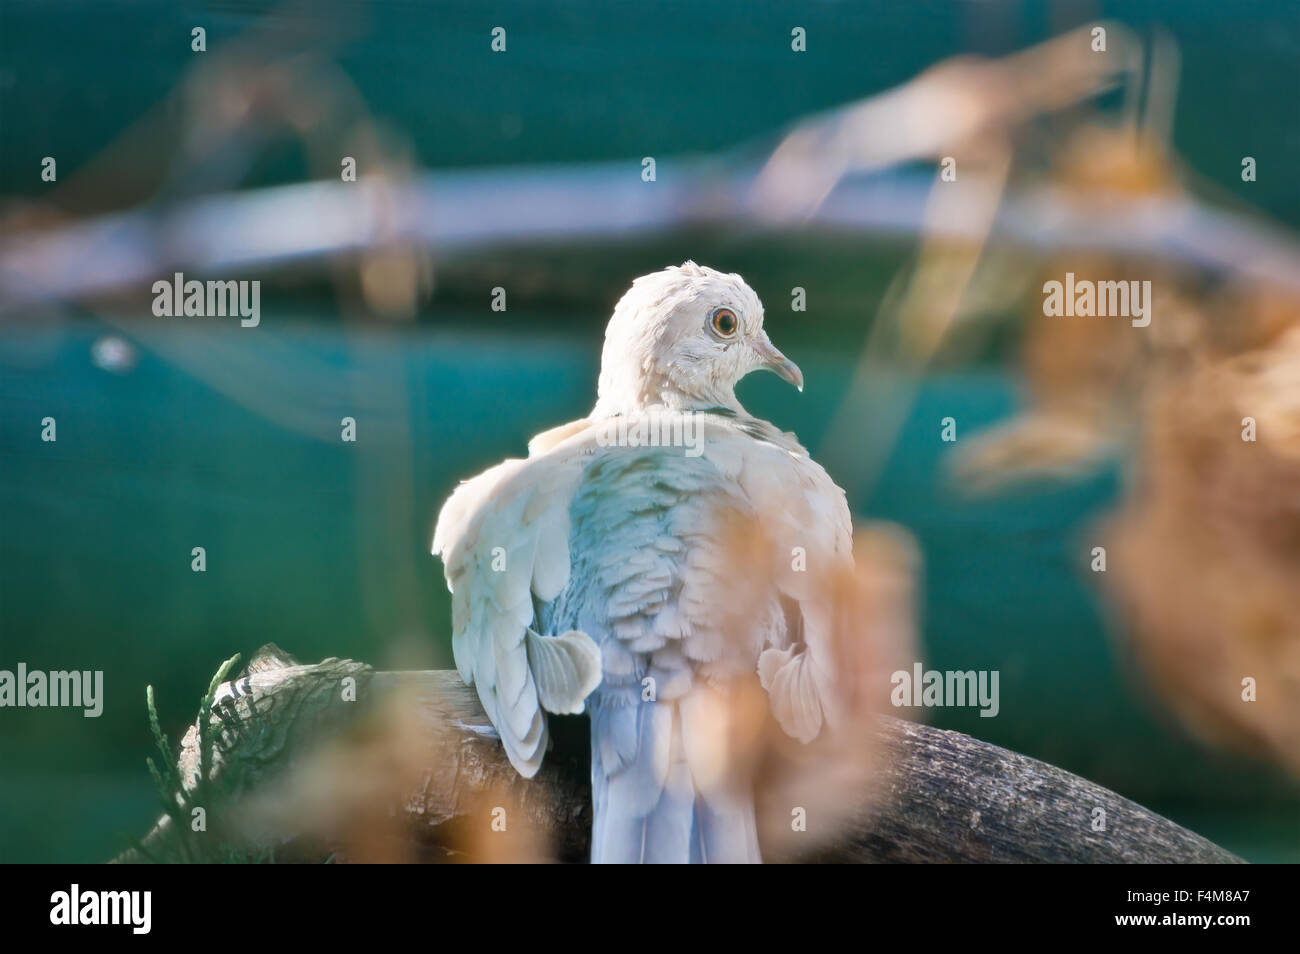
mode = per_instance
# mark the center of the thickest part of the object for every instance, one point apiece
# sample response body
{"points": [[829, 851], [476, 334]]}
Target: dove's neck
{"points": [[616, 398]]}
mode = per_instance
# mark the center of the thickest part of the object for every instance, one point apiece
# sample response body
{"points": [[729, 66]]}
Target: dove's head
{"points": [[682, 338]]}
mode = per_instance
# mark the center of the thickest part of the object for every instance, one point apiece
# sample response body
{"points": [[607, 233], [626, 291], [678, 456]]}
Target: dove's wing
{"points": [[806, 524], [504, 540]]}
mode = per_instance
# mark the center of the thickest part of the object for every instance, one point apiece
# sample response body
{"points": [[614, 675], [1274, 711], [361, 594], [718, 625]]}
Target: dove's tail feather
{"points": [[648, 810]]}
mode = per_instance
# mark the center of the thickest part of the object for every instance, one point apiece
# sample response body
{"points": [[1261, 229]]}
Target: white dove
{"points": [[656, 585]]}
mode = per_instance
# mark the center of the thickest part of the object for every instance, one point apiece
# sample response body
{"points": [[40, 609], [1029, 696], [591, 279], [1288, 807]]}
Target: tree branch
{"points": [[296, 764]]}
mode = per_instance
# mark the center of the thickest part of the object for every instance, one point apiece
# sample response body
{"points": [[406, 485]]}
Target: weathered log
{"points": [[435, 781]]}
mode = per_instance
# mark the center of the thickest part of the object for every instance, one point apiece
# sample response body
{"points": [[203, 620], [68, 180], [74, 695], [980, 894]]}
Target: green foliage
{"points": [[212, 787]]}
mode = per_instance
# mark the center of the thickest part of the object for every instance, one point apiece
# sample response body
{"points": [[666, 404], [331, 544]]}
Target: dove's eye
{"points": [[725, 323]]}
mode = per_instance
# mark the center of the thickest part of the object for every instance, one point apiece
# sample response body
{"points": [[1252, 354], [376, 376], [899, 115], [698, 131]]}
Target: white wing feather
{"points": [[503, 538], [797, 505]]}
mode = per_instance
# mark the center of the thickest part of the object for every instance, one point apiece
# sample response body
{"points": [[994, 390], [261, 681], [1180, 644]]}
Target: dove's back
{"points": [[676, 568]]}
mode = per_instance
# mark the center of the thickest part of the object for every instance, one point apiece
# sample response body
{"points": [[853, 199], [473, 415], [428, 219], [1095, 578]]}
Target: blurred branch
{"points": [[949, 797], [456, 212], [843, 169]]}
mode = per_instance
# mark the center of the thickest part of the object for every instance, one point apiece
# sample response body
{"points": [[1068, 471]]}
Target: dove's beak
{"points": [[779, 364]]}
